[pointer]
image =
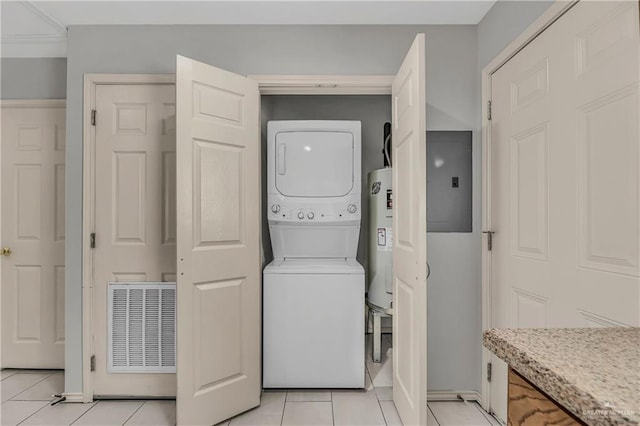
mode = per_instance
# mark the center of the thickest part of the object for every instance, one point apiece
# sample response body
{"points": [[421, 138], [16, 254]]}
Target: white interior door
{"points": [[33, 145], [135, 236], [410, 237], [219, 213], [565, 181]]}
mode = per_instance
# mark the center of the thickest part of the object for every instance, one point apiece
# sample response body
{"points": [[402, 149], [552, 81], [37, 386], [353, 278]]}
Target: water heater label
{"points": [[385, 239]]}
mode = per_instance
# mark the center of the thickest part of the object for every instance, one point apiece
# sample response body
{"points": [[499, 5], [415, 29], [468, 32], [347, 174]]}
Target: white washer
{"points": [[313, 321], [313, 292]]}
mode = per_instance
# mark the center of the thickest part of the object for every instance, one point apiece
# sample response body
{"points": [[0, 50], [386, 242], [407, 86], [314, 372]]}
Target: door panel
{"points": [[219, 279], [410, 233], [134, 184], [33, 141], [565, 182]]}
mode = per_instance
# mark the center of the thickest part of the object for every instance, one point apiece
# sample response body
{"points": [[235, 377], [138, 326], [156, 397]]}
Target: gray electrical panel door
{"points": [[449, 181]]}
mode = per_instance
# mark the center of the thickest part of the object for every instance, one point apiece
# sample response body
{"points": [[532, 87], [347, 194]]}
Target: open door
{"points": [[218, 231], [410, 237]]}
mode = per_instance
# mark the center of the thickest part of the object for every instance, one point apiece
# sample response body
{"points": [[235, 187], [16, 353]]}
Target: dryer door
{"points": [[314, 164]]}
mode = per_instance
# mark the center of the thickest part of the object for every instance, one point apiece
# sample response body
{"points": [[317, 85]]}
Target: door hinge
{"points": [[489, 239], [488, 372], [92, 363], [92, 240], [93, 117], [489, 110]]}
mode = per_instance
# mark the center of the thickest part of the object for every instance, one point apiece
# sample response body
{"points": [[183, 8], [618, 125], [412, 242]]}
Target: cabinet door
{"points": [[529, 406]]}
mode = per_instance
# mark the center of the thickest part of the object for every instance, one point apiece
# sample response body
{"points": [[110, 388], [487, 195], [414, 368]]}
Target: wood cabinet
{"points": [[529, 406]]}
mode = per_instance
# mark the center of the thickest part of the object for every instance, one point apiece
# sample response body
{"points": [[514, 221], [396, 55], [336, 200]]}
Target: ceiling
{"points": [[38, 28]]}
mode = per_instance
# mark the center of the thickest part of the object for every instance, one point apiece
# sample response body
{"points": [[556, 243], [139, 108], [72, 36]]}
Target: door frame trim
{"points": [[324, 84], [24, 103], [268, 85], [548, 17]]}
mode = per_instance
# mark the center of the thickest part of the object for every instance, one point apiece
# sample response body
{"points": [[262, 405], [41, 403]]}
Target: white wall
{"points": [[33, 78], [451, 105]]}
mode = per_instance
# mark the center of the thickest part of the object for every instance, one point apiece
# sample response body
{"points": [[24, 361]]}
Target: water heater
{"points": [[380, 238]]}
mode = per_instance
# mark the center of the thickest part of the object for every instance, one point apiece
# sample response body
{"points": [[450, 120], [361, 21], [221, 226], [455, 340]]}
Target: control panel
{"points": [[304, 211]]}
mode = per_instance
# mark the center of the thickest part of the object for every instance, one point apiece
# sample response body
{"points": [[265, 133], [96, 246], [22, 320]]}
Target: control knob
{"points": [[275, 208], [310, 215], [352, 208], [300, 215]]}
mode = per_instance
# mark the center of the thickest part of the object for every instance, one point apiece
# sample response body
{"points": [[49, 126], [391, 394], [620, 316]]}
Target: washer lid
{"points": [[314, 266]]}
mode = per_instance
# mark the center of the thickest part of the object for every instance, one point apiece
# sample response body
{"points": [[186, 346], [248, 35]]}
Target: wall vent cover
{"points": [[142, 327]]}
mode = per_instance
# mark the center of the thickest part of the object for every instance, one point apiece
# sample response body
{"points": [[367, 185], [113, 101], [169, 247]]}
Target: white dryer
{"points": [[313, 291]]}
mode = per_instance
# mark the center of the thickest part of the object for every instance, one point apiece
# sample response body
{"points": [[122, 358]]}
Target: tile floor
{"points": [[25, 396]]}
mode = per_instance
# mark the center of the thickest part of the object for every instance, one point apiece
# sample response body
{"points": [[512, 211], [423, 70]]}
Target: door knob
{"points": [[5, 251]]}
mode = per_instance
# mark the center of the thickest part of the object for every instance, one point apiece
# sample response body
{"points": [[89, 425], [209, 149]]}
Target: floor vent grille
{"points": [[142, 328]]}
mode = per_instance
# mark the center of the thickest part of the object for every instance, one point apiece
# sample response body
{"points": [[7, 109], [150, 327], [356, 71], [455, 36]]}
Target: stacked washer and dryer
{"points": [[313, 291]]}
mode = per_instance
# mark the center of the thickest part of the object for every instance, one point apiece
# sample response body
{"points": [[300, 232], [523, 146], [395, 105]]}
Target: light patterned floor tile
{"points": [[43, 391], [58, 415], [389, 338], [384, 393], [488, 416], [18, 383], [382, 373], [307, 413], [431, 421], [7, 372], [308, 395], [390, 413], [368, 387], [156, 413], [109, 413], [13, 412], [356, 408], [458, 414], [368, 384], [370, 406], [268, 413]]}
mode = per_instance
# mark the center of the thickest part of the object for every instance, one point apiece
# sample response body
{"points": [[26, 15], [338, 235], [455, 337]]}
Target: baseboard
{"points": [[73, 397], [453, 396]]}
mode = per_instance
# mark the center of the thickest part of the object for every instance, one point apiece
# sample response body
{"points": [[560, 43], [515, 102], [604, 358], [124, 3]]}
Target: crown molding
{"points": [[32, 38], [60, 27], [36, 45], [33, 46]]}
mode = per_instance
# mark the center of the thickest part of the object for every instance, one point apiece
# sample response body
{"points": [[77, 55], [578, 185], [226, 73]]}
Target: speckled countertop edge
{"points": [[566, 393]]}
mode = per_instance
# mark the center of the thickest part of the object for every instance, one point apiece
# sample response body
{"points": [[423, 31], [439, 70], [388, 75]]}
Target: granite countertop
{"points": [[594, 373]]}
